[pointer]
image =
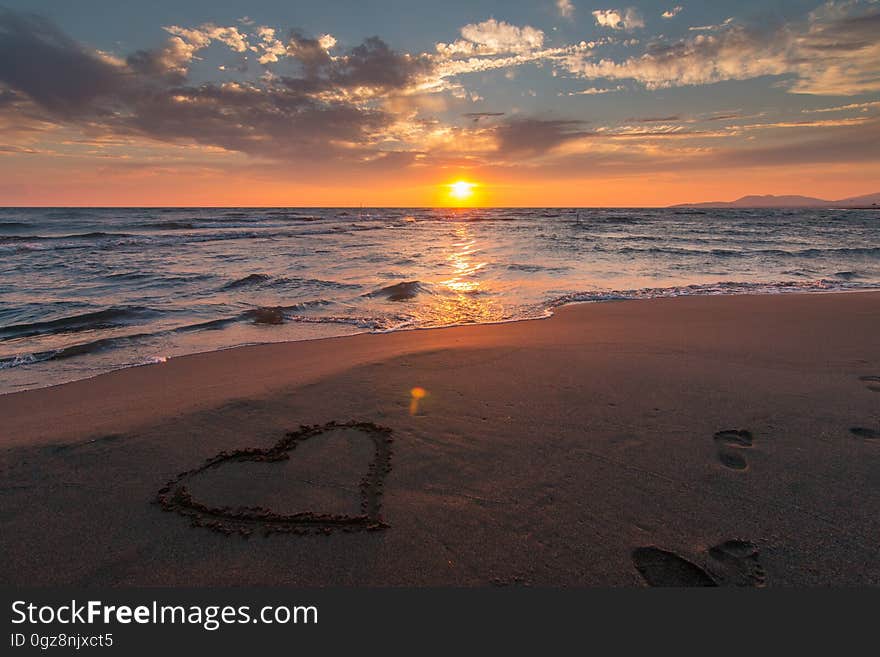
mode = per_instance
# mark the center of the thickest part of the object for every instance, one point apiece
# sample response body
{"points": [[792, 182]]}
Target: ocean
{"points": [[85, 291]]}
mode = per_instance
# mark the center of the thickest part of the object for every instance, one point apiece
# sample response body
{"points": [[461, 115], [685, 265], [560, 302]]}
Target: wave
{"points": [[268, 315], [267, 281], [532, 269], [245, 281], [311, 282], [171, 225], [747, 253], [271, 315], [708, 289], [67, 352], [400, 291], [101, 319], [71, 237], [275, 315], [24, 243]]}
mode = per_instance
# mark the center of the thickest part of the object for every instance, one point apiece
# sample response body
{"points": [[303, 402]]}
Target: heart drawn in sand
{"points": [[231, 518]]}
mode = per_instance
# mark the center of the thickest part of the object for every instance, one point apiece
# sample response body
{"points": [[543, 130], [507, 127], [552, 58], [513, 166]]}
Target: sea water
{"points": [[84, 291]]}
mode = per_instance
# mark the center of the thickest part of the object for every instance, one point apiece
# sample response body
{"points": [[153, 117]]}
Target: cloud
{"points": [[854, 143], [619, 19], [37, 59], [532, 137], [324, 112], [840, 52], [705, 59], [672, 13], [492, 37], [201, 37], [493, 45], [174, 58], [837, 52], [373, 64], [602, 154], [595, 91], [565, 8], [862, 107], [476, 117], [711, 28], [313, 101], [270, 48], [657, 119]]}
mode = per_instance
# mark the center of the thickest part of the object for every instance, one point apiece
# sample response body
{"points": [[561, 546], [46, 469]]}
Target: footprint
{"points": [[737, 439], [733, 563], [872, 381], [662, 568], [864, 432], [732, 461], [737, 563]]}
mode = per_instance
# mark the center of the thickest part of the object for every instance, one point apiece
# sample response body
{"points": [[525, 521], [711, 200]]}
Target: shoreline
{"points": [[737, 433], [551, 307], [241, 350]]}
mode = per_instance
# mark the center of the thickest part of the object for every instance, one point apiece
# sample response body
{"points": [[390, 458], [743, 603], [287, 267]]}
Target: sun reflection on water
{"points": [[467, 300]]}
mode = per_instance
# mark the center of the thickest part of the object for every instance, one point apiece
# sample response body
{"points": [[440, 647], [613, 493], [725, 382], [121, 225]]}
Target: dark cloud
{"points": [[830, 145], [657, 119], [528, 137], [37, 59], [273, 122], [724, 117], [844, 34], [309, 116], [153, 63], [476, 117], [309, 52], [8, 98], [374, 64]]}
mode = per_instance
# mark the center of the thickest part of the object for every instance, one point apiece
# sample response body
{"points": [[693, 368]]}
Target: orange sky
{"points": [[89, 185]]}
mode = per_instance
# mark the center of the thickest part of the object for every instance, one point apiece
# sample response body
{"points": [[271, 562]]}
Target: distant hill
{"points": [[770, 201]]}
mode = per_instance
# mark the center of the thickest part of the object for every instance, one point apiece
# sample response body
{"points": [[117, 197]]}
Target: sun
{"points": [[461, 190]]}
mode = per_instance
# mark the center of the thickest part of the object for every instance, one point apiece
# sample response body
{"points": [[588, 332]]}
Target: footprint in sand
{"points": [[732, 460], [864, 432], [732, 563], [737, 439], [736, 561], [872, 381], [663, 568]]}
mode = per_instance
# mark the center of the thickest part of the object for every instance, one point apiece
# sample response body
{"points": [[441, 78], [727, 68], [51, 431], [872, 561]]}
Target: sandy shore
{"points": [[685, 441]]}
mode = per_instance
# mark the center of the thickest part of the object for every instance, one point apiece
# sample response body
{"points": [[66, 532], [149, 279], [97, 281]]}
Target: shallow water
{"points": [[84, 291]]}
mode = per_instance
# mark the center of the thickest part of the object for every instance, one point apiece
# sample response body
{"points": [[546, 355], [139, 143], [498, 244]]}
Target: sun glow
{"points": [[461, 190]]}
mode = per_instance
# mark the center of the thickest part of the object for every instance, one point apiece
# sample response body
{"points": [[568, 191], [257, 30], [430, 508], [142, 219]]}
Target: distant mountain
{"points": [[866, 200], [770, 201]]}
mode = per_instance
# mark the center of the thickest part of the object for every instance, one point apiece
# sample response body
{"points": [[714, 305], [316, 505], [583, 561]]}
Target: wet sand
{"points": [[691, 441]]}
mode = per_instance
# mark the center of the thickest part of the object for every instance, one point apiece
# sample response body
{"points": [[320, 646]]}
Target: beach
{"points": [[730, 440]]}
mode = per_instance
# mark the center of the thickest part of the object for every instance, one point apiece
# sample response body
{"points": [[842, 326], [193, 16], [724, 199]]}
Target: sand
{"points": [[692, 441]]}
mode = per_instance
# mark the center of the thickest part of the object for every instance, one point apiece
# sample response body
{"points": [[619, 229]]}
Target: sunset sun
{"points": [[461, 190]]}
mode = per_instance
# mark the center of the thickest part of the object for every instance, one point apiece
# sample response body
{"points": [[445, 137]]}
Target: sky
{"points": [[391, 102]]}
